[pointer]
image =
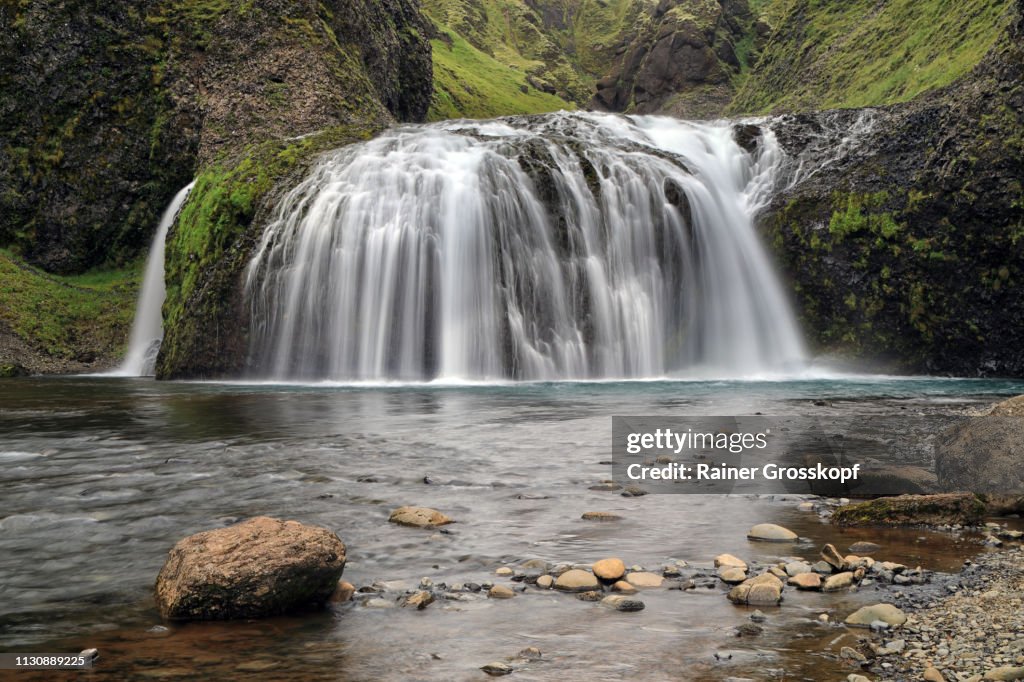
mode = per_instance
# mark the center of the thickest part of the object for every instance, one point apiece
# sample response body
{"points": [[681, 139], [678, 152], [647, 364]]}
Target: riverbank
{"points": [[972, 632]]}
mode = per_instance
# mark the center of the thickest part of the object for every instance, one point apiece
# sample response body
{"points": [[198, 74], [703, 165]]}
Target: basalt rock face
{"points": [[683, 62], [902, 228], [106, 110]]}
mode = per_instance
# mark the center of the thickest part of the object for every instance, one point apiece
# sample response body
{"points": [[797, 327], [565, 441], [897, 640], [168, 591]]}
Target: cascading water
{"points": [[147, 328], [566, 246]]}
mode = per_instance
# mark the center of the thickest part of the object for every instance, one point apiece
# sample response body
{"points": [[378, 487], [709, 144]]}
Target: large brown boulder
{"points": [[260, 567]]}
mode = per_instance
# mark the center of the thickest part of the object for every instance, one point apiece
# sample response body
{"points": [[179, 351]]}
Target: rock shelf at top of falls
{"points": [[567, 246]]}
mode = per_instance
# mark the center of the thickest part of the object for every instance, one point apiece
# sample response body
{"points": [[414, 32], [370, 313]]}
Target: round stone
{"points": [[770, 532], [610, 569], [575, 580]]}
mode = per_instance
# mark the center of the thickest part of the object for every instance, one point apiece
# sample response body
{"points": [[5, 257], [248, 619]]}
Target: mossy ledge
{"points": [[211, 244], [911, 510]]}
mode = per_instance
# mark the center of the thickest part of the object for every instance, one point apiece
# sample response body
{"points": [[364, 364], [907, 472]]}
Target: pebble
{"points": [[622, 603], [610, 569], [729, 560], [866, 615], [839, 581], [600, 516], [497, 668], [500, 592], [644, 579], [545, 582], [575, 580], [863, 548], [419, 600], [504, 571], [419, 517], [932, 675], [770, 532], [758, 616], [805, 581], [623, 587], [531, 653], [732, 575]]}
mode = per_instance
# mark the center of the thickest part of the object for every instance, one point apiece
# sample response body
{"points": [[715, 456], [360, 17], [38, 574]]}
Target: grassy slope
{"points": [[849, 54], [493, 55], [77, 317], [471, 84]]}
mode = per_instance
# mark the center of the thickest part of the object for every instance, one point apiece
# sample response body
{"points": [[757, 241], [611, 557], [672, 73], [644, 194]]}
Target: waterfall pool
{"points": [[101, 476]]}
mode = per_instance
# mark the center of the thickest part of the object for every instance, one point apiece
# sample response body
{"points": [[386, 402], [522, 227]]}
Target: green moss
{"points": [[209, 245], [68, 317]]}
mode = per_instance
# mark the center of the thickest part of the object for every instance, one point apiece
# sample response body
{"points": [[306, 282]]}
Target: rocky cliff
{"points": [[107, 109], [903, 234]]}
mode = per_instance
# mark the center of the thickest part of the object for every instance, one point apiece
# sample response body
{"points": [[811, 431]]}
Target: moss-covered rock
{"points": [[912, 510]]}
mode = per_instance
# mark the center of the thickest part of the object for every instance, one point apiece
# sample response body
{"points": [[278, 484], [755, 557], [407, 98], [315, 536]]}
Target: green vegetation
{"points": [[471, 84], [861, 53], [78, 317], [210, 244], [500, 57]]}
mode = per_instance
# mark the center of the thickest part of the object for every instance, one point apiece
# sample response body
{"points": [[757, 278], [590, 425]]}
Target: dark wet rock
{"points": [[623, 603], [497, 668], [260, 567], [982, 455]]}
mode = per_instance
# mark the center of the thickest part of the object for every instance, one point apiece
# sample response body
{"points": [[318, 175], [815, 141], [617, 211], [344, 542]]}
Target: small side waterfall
{"points": [[566, 246], [147, 328]]}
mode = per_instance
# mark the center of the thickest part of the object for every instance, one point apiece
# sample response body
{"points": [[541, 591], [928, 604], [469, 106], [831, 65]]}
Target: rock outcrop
{"points": [[260, 567]]}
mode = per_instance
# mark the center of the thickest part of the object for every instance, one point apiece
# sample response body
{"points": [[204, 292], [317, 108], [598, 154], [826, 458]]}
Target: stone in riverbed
{"points": [[545, 582], [732, 575], [600, 516], [644, 579], [590, 595], [762, 590], [770, 532], [497, 668], [864, 548], [500, 592], [729, 560], [609, 570], [1006, 672], [575, 580], [806, 581], [831, 556], [797, 567], [839, 581], [419, 517], [622, 603], [504, 571], [419, 600], [342, 593], [886, 613], [260, 567], [932, 675], [623, 587]]}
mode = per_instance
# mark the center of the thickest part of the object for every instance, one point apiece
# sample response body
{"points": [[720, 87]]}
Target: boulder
{"points": [[575, 580], [887, 613], [500, 592], [911, 510], [260, 567], [1006, 672], [797, 567], [769, 532], [419, 517], [1012, 407], [623, 587], [983, 454], [609, 570]]}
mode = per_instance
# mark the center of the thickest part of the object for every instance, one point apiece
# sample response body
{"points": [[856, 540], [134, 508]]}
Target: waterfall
{"points": [[556, 247], [148, 328]]}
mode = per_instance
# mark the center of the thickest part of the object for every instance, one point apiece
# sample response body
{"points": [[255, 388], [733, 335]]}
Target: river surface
{"points": [[99, 477]]}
